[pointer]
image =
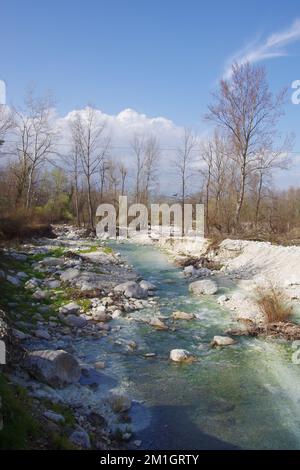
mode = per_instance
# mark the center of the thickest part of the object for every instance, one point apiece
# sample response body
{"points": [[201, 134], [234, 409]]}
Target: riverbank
{"points": [[120, 346], [54, 294], [239, 266]]}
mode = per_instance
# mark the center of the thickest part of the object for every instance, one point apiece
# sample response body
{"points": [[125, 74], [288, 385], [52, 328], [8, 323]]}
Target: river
{"points": [[242, 396]]}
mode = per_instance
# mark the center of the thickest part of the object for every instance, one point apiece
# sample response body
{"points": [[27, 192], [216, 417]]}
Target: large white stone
{"points": [[203, 287], [181, 355], [55, 368]]}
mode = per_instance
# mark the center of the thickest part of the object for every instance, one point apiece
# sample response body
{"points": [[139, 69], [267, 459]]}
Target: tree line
{"points": [[231, 171]]}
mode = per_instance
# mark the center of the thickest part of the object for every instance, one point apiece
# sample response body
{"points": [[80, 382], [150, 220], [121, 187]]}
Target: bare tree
{"points": [[150, 164], [216, 169], [248, 113], [183, 164], [123, 175], [267, 162], [137, 145], [93, 147], [73, 164], [36, 138], [6, 121]]}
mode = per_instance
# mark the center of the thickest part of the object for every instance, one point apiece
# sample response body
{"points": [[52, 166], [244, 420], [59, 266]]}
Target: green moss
{"points": [[19, 426], [91, 249], [107, 250]]}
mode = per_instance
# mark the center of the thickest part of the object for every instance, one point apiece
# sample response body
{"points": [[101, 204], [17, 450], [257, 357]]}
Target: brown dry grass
{"points": [[274, 304]]}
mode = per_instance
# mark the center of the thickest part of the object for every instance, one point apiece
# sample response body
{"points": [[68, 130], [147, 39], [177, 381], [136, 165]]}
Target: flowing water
{"points": [[242, 396]]}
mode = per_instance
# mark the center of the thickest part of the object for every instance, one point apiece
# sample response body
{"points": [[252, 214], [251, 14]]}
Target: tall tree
{"points": [[184, 161], [248, 113], [36, 139], [93, 145]]}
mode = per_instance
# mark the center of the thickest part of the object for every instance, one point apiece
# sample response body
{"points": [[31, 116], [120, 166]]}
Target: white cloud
{"points": [[273, 46]]}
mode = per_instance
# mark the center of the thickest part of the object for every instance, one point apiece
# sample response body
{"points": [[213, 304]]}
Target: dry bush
{"points": [[274, 304], [20, 225]]}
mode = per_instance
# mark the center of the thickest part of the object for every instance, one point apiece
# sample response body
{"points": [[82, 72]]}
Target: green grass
{"points": [[19, 426], [54, 253], [62, 410], [85, 304]]}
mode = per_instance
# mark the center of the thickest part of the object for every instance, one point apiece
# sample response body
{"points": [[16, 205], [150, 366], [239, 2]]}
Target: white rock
{"points": [[81, 439], [42, 334], [158, 324], [203, 287], [55, 368], [223, 341], [51, 261], [70, 274], [75, 321], [146, 285], [54, 284], [189, 271], [182, 316], [55, 417], [122, 287], [181, 355], [70, 308], [135, 292], [13, 280], [40, 294], [116, 313], [99, 365]]}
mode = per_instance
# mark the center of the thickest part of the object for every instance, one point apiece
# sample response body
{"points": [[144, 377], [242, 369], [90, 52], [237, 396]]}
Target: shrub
{"points": [[274, 304]]}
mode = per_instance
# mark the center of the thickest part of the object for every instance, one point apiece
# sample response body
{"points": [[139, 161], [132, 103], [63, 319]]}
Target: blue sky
{"points": [[161, 58]]}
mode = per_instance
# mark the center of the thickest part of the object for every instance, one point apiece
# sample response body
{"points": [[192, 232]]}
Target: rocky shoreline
{"points": [[57, 293]]}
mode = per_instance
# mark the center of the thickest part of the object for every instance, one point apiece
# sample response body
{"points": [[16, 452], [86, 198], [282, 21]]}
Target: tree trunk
{"points": [[29, 189], [90, 207], [240, 200], [258, 199]]}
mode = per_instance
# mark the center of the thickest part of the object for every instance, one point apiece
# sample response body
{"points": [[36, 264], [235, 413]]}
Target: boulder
{"points": [[189, 271], [15, 281], [75, 321], [32, 283], [97, 315], [55, 417], [203, 287], [81, 439], [223, 341], [146, 285], [51, 261], [53, 284], [70, 308], [42, 334], [135, 292], [182, 316], [99, 365], [181, 355], [125, 285], [158, 324], [55, 368], [40, 294], [70, 274]]}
